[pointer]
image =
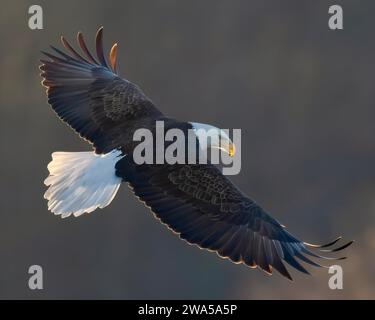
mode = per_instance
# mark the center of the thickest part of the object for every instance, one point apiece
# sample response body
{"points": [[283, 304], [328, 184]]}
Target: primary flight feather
{"points": [[196, 201]]}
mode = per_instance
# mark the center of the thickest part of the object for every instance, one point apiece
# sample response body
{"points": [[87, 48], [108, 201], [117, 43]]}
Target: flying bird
{"points": [[196, 201]]}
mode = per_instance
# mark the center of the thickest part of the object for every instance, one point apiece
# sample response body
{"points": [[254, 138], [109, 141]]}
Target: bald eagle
{"points": [[196, 201]]}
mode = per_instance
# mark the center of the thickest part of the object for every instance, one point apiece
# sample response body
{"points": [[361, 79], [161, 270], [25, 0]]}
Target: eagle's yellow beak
{"points": [[231, 149], [228, 147]]}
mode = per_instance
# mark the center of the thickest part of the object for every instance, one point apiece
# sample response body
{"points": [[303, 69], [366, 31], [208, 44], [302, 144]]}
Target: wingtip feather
{"points": [[99, 47], [82, 44], [113, 58]]}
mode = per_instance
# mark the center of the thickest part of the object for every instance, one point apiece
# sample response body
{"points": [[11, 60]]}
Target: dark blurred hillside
{"points": [[302, 94]]}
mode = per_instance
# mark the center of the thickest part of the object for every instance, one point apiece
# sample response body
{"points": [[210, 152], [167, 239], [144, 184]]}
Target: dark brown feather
{"points": [[113, 58], [67, 45], [245, 234], [82, 44], [99, 47], [101, 107]]}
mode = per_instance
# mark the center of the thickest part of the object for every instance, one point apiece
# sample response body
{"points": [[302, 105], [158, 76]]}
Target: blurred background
{"points": [[302, 94]]}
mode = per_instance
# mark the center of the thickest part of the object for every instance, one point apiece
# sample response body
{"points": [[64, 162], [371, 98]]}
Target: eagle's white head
{"points": [[213, 137]]}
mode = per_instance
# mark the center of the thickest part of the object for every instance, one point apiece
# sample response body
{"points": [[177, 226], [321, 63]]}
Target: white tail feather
{"points": [[81, 182]]}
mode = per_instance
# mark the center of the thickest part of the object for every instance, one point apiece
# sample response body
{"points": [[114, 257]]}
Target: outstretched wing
{"points": [[206, 209], [88, 95]]}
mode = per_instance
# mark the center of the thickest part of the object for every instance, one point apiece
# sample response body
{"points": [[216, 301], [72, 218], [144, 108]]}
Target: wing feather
{"points": [[99, 47], [91, 98], [249, 235], [67, 46], [82, 44]]}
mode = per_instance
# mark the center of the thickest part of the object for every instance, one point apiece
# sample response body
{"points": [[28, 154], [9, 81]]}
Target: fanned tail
{"points": [[81, 182]]}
